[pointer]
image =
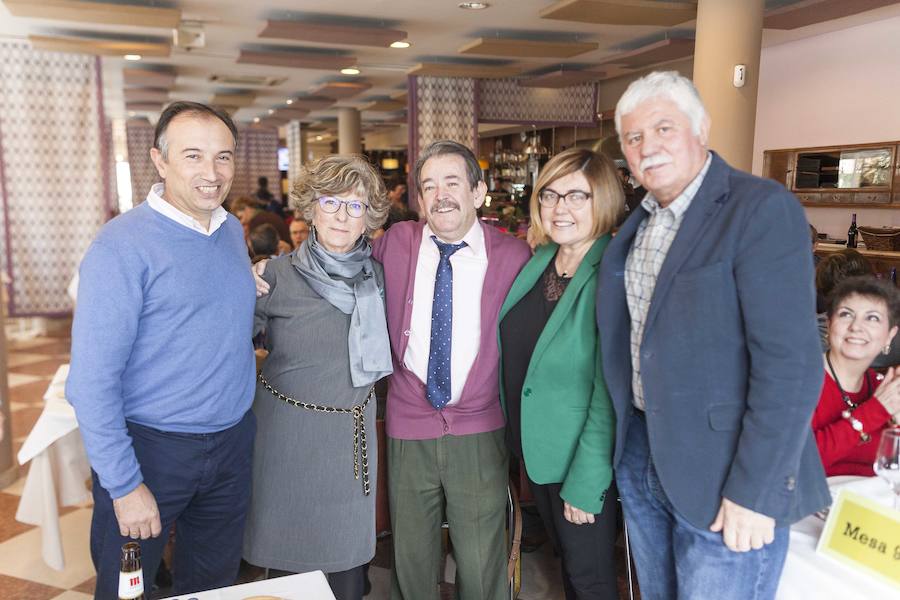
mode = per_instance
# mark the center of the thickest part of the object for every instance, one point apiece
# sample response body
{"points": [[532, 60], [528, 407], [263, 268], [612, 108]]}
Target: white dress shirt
{"points": [[469, 268], [157, 203]]}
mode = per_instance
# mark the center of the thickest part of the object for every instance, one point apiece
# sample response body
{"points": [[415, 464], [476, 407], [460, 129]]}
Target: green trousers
{"points": [[466, 478]]}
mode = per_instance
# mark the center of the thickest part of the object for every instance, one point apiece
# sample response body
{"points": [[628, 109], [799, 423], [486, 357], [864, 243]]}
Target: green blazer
{"points": [[568, 422]]}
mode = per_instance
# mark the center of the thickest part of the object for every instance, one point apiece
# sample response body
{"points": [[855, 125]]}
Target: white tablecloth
{"points": [[58, 472], [305, 586], [809, 576]]}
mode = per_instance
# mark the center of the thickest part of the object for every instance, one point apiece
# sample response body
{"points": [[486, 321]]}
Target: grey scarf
{"points": [[348, 282]]}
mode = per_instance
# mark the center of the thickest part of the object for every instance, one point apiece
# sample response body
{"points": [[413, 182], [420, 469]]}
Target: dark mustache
{"points": [[444, 204]]}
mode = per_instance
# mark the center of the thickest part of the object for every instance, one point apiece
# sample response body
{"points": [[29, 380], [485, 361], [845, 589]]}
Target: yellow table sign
{"points": [[863, 535]]}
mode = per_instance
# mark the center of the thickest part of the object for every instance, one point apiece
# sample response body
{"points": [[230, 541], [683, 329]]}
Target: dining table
{"points": [[304, 586], [809, 575], [59, 471]]}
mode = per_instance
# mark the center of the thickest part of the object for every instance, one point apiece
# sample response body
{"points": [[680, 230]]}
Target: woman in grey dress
{"points": [[314, 464]]}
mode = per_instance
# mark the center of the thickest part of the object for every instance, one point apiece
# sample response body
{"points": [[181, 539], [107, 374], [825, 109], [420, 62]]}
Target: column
{"points": [[297, 150], [348, 131], [729, 33], [9, 469]]}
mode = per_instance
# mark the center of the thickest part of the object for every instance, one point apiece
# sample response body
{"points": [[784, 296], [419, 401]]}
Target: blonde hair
{"points": [[607, 196], [341, 174]]}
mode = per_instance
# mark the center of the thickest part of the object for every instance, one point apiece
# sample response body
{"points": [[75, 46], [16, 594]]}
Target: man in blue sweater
{"points": [[162, 373]]}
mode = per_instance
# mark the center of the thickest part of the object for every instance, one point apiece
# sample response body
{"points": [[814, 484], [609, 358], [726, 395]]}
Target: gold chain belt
{"points": [[359, 426]]}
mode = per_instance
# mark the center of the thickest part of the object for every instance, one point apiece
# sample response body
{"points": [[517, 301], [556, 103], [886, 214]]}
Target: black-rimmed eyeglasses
{"points": [[574, 199], [355, 208]]}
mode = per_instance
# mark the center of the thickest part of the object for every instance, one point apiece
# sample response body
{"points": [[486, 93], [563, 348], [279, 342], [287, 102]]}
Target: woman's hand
{"points": [[576, 515], [262, 287], [888, 392]]}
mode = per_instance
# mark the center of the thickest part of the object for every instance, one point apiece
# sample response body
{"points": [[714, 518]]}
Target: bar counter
{"points": [[882, 260]]}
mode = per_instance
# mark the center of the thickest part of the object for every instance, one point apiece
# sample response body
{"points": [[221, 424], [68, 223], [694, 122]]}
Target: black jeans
{"points": [[588, 551], [201, 482]]}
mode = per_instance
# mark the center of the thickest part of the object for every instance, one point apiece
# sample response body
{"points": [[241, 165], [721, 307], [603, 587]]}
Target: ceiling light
{"points": [[318, 138], [400, 44], [350, 71], [132, 57], [131, 113], [473, 5], [289, 101], [256, 119], [271, 111]]}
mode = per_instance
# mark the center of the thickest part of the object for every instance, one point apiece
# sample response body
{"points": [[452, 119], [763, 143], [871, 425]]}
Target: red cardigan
{"points": [[842, 452], [409, 414]]}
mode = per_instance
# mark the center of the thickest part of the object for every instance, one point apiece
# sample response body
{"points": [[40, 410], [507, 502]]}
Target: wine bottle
{"points": [[852, 233]]}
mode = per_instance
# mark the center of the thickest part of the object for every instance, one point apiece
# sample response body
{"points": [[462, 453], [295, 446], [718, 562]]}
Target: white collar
{"points": [[474, 239], [159, 204]]}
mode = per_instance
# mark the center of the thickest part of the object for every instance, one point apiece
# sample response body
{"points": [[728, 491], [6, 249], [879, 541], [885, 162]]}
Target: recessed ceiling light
{"points": [[473, 5], [131, 113], [271, 111], [318, 138], [350, 71], [289, 101], [256, 119], [132, 57], [400, 44]]}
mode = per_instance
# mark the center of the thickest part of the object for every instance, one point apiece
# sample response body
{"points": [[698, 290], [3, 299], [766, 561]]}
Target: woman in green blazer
{"points": [[560, 422]]}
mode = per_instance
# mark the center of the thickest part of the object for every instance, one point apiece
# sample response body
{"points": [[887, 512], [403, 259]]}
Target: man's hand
{"points": [[262, 286], [742, 529], [138, 514], [576, 515]]}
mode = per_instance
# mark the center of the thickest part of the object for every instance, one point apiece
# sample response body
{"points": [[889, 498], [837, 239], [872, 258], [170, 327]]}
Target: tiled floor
{"points": [[23, 574]]}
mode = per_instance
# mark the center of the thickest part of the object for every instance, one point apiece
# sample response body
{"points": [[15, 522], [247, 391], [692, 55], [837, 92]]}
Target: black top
{"points": [[519, 333]]}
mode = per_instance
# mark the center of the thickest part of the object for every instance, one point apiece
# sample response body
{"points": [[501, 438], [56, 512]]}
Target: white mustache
{"points": [[654, 161], [442, 204]]}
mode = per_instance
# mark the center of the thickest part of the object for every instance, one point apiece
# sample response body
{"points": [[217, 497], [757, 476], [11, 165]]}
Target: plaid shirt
{"points": [[645, 259]]}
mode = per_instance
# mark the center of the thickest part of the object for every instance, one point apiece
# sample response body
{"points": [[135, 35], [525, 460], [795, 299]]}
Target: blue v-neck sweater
{"points": [[161, 336]]}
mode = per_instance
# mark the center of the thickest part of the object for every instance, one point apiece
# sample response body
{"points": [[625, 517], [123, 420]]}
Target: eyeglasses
{"points": [[574, 199], [331, 205]]}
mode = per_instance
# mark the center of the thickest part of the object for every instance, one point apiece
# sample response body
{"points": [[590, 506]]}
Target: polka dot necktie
{"points": [[437, 388]]}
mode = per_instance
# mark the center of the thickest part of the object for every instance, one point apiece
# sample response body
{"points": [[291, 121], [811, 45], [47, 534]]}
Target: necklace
{"points": [[565, 272], [844, 396]]}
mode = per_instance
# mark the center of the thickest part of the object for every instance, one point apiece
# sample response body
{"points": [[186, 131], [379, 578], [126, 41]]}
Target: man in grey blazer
{"points": [[706, 311]]}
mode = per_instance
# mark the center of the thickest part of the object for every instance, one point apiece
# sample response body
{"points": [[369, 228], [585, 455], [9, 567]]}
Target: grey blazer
{"points": [[731, 361]]}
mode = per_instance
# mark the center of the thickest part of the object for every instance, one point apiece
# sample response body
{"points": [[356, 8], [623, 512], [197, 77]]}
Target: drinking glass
{"points": [[887, 461]]}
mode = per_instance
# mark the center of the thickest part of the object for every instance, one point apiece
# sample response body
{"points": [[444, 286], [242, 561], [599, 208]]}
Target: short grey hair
{"points": [[444, 147], [670, 85]]}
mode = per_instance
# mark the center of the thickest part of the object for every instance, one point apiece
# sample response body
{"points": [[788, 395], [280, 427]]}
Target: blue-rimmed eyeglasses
{"points": [[355, 208], [574, 199]]}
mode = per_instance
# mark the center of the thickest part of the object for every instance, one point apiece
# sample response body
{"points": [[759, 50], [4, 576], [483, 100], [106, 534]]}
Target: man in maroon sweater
{"points": [[445, 280]]}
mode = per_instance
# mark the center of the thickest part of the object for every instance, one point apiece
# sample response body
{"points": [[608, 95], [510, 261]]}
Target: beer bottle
{"points": [[131, 576]]}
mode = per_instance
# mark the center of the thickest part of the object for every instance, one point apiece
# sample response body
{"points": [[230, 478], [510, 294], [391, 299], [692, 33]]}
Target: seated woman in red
{"points": [[856, 404]]}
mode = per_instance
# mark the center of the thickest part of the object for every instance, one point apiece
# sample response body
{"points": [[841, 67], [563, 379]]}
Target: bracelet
{"points": [[857, 426]]}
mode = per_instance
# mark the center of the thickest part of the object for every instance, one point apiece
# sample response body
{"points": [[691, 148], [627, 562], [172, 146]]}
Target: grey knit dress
{"points": [[307, 510]]}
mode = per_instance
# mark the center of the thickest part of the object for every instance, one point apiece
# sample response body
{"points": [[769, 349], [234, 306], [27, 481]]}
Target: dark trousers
{"points": [[588, 559], [465, 477], [201, 483]]}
